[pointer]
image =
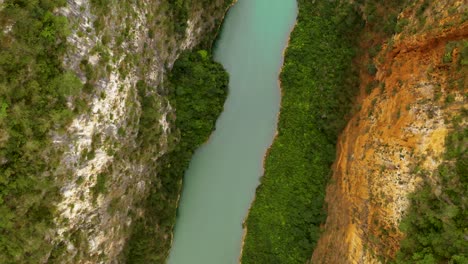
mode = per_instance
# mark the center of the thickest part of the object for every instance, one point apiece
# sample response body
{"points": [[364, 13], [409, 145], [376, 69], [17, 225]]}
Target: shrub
{"points": [[435, 224], [401, 24], [371, 69]]}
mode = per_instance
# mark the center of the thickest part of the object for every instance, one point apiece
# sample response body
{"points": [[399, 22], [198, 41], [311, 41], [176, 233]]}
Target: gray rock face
{"points": [[112, 49]]}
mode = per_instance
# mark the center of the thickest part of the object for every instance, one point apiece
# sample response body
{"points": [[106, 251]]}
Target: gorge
{"points": [[220, 182], [141, 131]]}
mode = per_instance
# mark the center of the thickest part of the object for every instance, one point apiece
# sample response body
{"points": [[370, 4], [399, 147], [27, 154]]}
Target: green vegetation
{"points": [[198, 89], [371, 69], [382, 16], [318, 86], [34, 90], [177, 10], [100, 186], [463, 60], [462, 47], [436, 224], [448, 52]]}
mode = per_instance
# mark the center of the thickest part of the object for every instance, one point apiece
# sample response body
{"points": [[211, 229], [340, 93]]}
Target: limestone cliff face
{"points": [[107, 174], [397, 135]]}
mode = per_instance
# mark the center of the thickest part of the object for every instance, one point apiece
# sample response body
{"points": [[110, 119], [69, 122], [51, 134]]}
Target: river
{"points": [[220, 182]]}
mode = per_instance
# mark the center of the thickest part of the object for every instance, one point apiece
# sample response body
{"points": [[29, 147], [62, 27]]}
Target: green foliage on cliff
{"points": [[283, 225], [382, 16], [198, 89], [436, 224], [34, 90], [176, 10]]}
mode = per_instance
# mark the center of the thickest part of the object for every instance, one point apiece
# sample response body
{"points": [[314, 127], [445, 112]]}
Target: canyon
{"points": [[103, 103]]}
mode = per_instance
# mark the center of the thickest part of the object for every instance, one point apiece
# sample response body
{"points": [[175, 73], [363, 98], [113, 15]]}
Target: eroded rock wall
{"points": [[396, 137], [112, 47]]}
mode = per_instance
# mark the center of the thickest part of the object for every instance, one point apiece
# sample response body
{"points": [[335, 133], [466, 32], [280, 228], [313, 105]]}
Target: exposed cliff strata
{"points": [[108, 175], [396, 139]]}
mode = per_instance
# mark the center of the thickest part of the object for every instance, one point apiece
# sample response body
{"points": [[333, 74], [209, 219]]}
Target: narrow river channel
{"points": [[221, 180]]}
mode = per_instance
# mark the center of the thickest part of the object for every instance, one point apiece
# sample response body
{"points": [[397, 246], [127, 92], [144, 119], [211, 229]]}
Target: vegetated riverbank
{"points": [[198, 89], [317, 88], [224, 173], [283, 54]]}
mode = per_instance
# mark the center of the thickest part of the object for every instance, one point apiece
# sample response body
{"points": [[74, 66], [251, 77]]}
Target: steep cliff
{"points": [[101, 167], [413, 95]]}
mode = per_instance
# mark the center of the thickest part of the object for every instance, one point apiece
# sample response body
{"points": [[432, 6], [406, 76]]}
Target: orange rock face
{"points": [[395, 139]]}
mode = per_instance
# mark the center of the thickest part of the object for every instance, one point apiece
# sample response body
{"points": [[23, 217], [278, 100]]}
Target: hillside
{"points": [[88, 120], [399, 171]]}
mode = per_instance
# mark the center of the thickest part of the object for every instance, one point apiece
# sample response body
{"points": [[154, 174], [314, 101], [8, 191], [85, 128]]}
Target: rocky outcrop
{"points": [[396, 137], [112, 47]]}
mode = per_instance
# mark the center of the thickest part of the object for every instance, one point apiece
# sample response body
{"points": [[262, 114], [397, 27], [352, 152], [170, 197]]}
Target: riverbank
{"points": [[220, 182], [244, 227], [284, 220], [218, 29], [197, 89]]}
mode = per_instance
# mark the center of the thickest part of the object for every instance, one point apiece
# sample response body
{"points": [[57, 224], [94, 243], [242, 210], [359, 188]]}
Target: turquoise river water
{"points": [[221, 180]]}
